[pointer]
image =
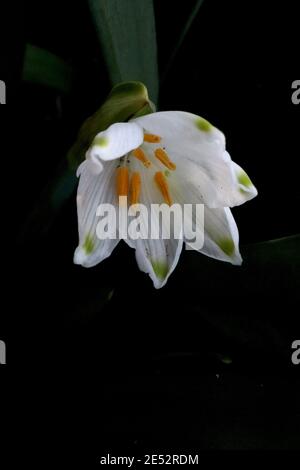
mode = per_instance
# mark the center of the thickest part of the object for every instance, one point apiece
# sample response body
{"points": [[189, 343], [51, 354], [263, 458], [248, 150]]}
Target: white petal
{"points": [[190, 184], [116, 141], [157, 257], [95, 167], [244, 186], [182, 131], [93, 189], [221, 237], [216, 188], [198, 150]]}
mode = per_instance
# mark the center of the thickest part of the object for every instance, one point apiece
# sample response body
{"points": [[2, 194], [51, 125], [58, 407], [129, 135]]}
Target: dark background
{"points": [[204, 363]]}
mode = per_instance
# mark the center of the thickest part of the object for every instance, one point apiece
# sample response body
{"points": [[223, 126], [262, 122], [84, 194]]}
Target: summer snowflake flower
{"points": [[164, 157]]}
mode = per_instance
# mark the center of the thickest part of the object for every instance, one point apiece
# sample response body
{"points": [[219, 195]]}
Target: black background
{"points": [[204, 363]]}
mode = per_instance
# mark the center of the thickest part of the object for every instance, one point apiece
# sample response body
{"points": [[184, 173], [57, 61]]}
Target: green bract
{"points": [[126, 100]]}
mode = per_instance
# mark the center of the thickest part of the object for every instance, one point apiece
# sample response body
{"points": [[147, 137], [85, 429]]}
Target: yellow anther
{"points": [[163, 157], [135, 187], [122, 181], [152, 138], [141, 156], [162, 183]]}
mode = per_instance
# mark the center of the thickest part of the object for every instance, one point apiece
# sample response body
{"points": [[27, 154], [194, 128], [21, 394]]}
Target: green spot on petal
{"points": [[88, 245], [244, 179], [203, 125], [167, 173], [227, 245], [101, 141], [160, 268]]}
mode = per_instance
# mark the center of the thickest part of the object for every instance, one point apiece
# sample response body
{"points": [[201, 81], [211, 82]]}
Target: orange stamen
{"points": [[122, 181], [151, 138], [162, 183], [135, 187], [141, 156], [164, 159]]}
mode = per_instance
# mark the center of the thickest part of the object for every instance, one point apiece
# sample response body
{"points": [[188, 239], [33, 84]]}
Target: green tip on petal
{"points": [[160, 269], [203, 125], [227, 245], [244, 179], [88, 245], [100, 141]]}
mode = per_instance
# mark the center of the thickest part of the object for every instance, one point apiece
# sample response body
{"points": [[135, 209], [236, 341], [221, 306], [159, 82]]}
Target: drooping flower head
{"points": [[170, 157]]}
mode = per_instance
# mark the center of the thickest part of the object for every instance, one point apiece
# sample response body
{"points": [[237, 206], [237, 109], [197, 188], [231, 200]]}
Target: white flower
{"points": [[162, 157]]}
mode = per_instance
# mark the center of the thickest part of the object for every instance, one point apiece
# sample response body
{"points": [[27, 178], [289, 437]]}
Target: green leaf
{"points": [[44, 68], [182, 36], [126, 30]]}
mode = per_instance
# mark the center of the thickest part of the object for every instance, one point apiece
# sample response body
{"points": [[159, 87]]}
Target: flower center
{"points": [[159, 178]]}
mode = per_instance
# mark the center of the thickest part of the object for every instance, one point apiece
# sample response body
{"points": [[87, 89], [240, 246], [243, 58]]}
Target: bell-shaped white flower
{"points": [[164, 157]]}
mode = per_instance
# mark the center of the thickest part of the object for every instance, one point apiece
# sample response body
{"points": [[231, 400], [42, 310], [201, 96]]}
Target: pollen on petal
{"points": [[141, 156], [135, 187], [163, 157], [152, 138], [162, 184], [122, 181]]}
